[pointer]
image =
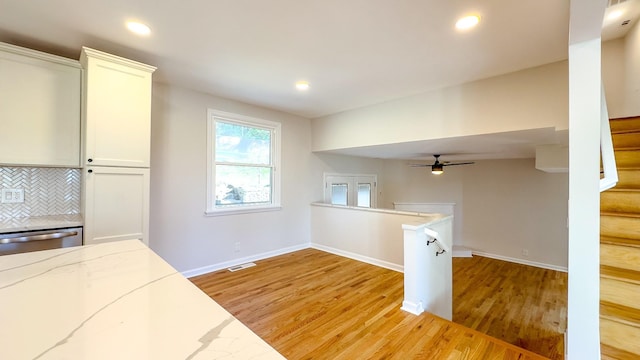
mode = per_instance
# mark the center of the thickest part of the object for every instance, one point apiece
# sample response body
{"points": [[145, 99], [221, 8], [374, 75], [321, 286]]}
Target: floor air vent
{"points": [[241, 266]]}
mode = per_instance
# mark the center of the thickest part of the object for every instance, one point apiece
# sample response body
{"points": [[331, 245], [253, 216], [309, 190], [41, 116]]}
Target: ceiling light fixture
{"points": [[436, 169], [302, 85], [614, 15], [138, 28], [467, 22]]}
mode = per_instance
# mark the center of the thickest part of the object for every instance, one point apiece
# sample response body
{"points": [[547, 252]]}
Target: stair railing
{"points": [[610, 178], [433, 238]]}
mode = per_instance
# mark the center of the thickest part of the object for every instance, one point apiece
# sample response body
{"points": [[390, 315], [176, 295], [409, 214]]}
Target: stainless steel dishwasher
{"points": [[20, 242]]}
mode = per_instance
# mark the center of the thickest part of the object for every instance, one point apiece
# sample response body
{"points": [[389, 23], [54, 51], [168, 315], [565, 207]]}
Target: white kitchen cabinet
{"points": [[116, 147], [39, 108], [116, 204], [117, 111]]}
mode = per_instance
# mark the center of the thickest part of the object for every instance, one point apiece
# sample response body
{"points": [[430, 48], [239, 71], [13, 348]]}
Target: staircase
{"points": [[620, 248]]}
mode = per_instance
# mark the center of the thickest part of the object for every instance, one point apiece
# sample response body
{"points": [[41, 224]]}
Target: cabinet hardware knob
{"points": [[89, 160], [90, 171]]}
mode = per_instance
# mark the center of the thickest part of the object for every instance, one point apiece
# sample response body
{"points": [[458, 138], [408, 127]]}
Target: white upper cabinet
{"points": [[39, 108], [117, 111]]}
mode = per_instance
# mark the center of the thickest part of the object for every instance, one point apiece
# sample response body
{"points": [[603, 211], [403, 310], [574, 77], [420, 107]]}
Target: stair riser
{"points": [[622, 125], [627, 159], [620, 201], [620, 336], [620, 292], [620, 256], [626, 140], [622, 227], [628, 179]]}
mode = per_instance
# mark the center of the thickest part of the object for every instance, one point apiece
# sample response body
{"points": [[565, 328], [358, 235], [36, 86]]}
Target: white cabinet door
{"points": [[116, 204], [39, 108], [117, 109]]}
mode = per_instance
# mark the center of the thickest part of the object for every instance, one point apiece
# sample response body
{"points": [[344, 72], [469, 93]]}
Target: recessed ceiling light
{"points": [[614, 15], [302, 85], [467, 22], [138, 28]]}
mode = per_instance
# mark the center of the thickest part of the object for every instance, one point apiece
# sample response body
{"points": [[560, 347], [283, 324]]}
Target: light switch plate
{"points": [[10, 196]]}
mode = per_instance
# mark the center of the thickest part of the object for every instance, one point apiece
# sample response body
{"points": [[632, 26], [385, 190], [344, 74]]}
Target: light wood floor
{"points": [[314, 305], [523, 305]]}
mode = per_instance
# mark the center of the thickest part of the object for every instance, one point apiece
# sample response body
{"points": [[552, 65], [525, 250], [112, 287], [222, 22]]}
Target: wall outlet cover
{"points": [[10, 196]]}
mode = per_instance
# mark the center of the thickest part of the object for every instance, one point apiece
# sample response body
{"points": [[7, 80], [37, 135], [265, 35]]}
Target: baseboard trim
{"points": [[521, 261], [412, 307], [358, 257], [234, 262]]}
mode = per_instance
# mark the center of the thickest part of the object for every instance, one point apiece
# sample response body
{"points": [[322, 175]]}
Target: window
{"points": [[350, 190], [242, 164]]}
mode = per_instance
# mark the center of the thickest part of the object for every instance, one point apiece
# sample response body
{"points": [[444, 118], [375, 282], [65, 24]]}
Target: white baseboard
{"points": [[234, 262], [521, 261], [461, 251], [411, 307], [362, 258]]}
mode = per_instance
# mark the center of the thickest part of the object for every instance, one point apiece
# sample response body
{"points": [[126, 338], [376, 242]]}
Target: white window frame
{"points": [[227, 117], [352, 181]]}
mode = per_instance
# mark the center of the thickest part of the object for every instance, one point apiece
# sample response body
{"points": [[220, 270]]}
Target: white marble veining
{"points": [[40, 223], [115, 300]]}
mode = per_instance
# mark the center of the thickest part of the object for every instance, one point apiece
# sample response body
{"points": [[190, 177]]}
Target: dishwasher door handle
{"points": [[42, 237]]}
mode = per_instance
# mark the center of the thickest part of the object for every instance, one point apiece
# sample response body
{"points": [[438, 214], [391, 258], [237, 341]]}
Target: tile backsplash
{"points": [[47, 191]]}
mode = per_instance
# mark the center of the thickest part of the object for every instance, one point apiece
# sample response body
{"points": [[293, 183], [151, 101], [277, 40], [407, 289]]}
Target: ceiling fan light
{"points": [[436, 169]]}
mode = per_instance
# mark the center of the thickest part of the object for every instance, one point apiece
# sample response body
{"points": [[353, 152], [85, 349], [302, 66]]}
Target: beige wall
{"points": [[510, 206], [632, 71], [340, 164], [180, 232], [613, 76], [527, 99], [502, 206], [621, 74], [402, 183]]}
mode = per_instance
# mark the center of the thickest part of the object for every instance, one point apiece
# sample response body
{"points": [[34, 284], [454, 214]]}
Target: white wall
{"points": [[502, 206], [371, 236], [402, 183], [583, 335], [510, 206], [180, 232], [341, 164], [621, 74], [527, 99], [613, 76], [632, 71]]}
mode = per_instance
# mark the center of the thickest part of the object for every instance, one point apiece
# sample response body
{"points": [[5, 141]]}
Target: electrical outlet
{"points": [[10, 196], [525, 252], [237, 246]]}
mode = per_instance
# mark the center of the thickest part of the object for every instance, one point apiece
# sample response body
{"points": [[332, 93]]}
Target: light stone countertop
{"points": [[40, 223], [115, 300]]}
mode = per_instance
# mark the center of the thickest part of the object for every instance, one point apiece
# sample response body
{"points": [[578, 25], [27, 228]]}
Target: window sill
{"points": [[238, 211]]}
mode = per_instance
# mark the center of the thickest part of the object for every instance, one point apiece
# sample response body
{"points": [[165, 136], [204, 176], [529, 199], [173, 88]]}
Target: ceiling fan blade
{"points": [[465, 163], [420, 165]]}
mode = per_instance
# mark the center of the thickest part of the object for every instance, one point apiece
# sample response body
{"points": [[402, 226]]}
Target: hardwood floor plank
{"points": [[520, 304], [314, 305]]}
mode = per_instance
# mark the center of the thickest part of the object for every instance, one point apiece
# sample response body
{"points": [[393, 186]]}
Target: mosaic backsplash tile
{"points": [[47, 191]]}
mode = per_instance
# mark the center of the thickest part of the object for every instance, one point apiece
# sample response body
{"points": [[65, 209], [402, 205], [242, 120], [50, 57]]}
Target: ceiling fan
{"points": [[437, 167]]}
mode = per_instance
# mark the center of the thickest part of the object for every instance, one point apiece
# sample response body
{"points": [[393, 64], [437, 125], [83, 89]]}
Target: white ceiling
{"points": [[354, 53]]}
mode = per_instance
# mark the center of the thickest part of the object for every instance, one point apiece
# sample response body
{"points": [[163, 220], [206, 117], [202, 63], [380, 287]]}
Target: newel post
{"points": [[428, 268]]}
